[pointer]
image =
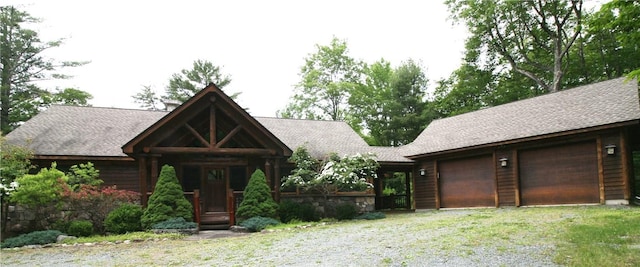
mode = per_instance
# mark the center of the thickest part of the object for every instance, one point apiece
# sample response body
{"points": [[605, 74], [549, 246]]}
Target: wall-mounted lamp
{"points": [[504, 162], [611, 149], [422, 172]]}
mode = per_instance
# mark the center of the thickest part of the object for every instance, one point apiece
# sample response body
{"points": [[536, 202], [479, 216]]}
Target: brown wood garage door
{"points": [[566, 174], [467, 182]]}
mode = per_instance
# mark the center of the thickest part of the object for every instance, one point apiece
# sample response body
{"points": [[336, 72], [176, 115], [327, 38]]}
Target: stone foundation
{"points": [[363, 202]]}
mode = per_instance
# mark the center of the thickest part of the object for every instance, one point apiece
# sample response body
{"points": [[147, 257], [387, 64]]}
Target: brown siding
{"points": [[506, 178], [614, 186], [562, 174], [124, 175], [425, 189], [468, 182]]}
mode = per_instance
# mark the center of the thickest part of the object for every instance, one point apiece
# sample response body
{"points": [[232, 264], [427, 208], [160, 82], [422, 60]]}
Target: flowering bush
{"points": [[94, 203], [349, 173]]}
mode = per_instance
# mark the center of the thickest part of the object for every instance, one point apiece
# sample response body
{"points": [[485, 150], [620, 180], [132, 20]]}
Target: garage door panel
{"points": [[565, 174], [467, 182]]}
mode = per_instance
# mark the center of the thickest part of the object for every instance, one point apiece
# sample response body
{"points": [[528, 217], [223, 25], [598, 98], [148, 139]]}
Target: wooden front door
{"points": [[216, 182]]}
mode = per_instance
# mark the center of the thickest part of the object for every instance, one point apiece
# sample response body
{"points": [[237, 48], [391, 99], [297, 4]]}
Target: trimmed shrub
{"points": [[371, 216], [124, 219], [80, 228], [167, 200], [256, 224], [346, 211], [257, 200], [175, 223], [33, 238], [291, 210]]}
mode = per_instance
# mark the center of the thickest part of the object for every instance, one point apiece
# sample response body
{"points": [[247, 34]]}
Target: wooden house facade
{"points": [[570, 147]]}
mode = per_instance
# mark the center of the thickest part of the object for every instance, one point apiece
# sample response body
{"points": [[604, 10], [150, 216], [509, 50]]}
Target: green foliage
{"points": [[15, 163], [187, 83], [293, 211], [80, 228], [327, 79], [33, 238], [346, 211], [175, 223], [167, 200], [22, 62], [349, 173], [124, 219], [371, 216], [85, 174], [39, 189], [257, 199], [257, 224]]}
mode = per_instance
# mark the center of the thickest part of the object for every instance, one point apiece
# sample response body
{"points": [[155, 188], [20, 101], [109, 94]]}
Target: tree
{"points": [[187, 83], [167, 201], [147, 98], [532, 37], [257, 200], [83, 174], [328, 77], [14, 162], [22, 62]]}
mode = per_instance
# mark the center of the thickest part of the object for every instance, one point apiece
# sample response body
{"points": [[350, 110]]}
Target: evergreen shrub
{"points": [[175, 223], [167, 200], [346, 211], [291, 210], [257, 224], [33, 238], [80, 228], [371, 216], [124, 219], [257, 200]]}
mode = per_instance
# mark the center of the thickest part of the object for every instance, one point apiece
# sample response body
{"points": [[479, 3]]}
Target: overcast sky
{"points": [[260, 44]]}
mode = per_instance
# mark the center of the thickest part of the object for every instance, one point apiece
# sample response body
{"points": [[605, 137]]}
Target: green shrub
{"points": [[80, 228], [256, 224], [124, 219], [346, 211], [257, 200], [33, 238], [175, 223], [371, 216], [167, 200], [291, 210]]}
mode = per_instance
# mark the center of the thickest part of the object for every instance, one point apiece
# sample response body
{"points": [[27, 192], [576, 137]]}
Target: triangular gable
{"points": [[208, 123]]}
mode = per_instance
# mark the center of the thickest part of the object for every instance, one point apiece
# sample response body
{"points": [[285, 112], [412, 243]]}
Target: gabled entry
{"points": [[214, 145]]}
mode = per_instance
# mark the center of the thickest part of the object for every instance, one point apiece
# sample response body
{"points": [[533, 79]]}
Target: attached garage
{"points": [[565, 174], [468, 182]]}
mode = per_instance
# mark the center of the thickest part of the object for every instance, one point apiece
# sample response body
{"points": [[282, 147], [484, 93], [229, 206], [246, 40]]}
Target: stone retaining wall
{"points": [[363, 202]]}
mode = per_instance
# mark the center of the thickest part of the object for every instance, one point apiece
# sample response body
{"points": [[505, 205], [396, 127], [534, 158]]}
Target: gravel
{"points": [[444, 238]]}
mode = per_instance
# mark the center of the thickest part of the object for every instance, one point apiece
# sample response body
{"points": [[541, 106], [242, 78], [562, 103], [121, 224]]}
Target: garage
{"points": [[566, 174], [468, 182]]}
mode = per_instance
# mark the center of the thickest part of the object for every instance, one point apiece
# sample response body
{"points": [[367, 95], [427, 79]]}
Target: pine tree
{"points": [[167, 200], [257, 199]]}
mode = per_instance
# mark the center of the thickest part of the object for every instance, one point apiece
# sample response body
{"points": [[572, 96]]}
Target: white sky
{"points": [[260, 44]]}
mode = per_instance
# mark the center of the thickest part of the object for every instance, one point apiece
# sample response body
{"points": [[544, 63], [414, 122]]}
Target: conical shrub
{"points": [[257, 200], [167, 200]]}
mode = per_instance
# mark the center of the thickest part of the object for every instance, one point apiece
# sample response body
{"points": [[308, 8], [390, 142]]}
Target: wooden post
{"points": [[142, 174], [154, 173], [600, 169], [196, 205], [277, 175], [626, 159], [232, 207]]}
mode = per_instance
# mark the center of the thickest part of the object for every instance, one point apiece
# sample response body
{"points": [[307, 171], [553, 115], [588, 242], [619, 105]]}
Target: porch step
{"points": [[214, 221]]}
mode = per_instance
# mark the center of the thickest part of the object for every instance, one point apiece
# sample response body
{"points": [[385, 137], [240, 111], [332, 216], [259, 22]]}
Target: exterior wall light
{"points": [[611, 149], [422, 172], [504, 162]]}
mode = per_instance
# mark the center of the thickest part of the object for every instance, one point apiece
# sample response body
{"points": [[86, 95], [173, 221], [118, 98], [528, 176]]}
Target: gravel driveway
{"points": [[444, 238]]}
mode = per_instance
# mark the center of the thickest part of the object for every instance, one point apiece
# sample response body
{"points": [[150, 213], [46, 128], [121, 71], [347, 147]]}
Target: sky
{"points": [[260, 44]]}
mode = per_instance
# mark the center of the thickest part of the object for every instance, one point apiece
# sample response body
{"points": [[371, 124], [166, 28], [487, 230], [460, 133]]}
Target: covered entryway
{"points": [[215, 146], [468, 182], [566, 174]]}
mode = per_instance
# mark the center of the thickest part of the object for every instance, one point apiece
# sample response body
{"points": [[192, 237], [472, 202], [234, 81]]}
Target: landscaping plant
{"points": [[80, 228], [167, 200], [291, 210], [258, 223], [33, 238], [175, 223], [257, 199], [124, 219]]}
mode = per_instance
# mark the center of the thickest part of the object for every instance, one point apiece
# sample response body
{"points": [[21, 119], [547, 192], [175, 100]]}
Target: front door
{"points": [[215, 185]]}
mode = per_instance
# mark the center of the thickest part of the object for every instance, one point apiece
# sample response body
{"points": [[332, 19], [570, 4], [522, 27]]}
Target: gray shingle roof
{"points": [[82, 131], [583, 107]]}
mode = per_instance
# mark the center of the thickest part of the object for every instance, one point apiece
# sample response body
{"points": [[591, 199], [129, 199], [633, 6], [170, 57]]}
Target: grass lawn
{"points": [[568, 236]]}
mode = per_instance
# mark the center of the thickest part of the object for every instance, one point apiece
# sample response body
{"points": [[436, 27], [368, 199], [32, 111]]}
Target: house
{"points": [[574, 146]]}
